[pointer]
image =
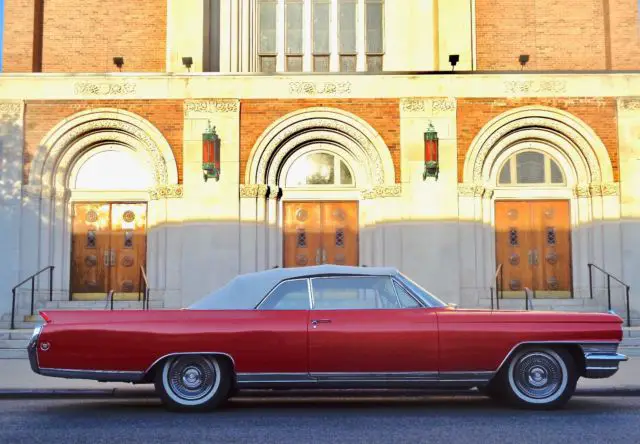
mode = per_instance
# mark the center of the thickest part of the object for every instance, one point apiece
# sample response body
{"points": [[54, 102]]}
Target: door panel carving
{"points": [[318, 233], [109, 245], [533, 244]]}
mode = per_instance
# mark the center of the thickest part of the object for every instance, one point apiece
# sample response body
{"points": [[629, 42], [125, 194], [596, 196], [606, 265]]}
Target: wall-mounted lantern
{"points": [[211, 154], [431, 162]]}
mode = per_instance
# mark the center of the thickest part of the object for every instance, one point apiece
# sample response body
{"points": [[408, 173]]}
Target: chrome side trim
{"points": [[190, 353], [363, 379], [98, 375], [601, 360]]}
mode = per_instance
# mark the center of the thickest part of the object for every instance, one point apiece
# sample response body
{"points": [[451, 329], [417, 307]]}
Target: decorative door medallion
{"points": [[109, 245], [533, 244], [318, 233]]}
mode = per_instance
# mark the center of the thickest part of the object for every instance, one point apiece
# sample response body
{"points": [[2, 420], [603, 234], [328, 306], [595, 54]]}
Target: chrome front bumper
{"points": [[602, 360], [32, 350]]}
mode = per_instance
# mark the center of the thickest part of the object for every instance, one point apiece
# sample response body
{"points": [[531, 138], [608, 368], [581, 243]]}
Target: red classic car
{"points": [[329, 327]]}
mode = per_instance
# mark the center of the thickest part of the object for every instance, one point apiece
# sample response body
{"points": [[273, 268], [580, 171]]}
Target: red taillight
{"points": [[44, 316]]}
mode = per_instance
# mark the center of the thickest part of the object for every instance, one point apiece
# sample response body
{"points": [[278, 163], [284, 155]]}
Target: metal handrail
{"points": [[31, 278], [498, 285], [143, 278], [527, 301], [609, 277], [110, 299]]}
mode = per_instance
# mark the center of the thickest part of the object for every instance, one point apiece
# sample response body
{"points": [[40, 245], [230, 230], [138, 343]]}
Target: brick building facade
{"points": [[322, 146]]}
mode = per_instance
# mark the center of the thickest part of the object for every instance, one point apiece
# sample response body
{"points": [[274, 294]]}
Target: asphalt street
{"points": [[447, 420]]}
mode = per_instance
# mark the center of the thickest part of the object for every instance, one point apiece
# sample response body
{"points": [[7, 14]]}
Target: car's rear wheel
{"points": [[194, 382], [540, 378]]}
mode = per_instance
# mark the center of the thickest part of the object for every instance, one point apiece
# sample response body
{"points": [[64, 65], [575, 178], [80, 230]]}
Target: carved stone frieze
{"points": [[604, 189], [90, 133], [10, 109], [412, 105], [440, 106], [526, 87], [332, 130], [382, 191], [211, 106], [319, 88], [254, 191], [539, 123], [104, 89], [630, 103], [582, 191], [166, 192], [435, 106], [474, 190]]}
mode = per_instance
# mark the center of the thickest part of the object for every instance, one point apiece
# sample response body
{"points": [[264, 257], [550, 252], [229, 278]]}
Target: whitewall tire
{"points": [[539, 377], [194, 382]]}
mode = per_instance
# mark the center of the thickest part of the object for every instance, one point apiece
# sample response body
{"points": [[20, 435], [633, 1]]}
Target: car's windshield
{"points": [[426, 297]]}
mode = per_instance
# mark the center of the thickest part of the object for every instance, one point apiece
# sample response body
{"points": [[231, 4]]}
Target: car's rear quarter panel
{"points": [[134, 340], [481, 340]]}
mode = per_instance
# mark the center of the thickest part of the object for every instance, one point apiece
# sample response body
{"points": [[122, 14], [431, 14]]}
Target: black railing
{"points": [[110, 296], [609, 277], [497, 279], [143, 294], [528, 303], [31, 278]]}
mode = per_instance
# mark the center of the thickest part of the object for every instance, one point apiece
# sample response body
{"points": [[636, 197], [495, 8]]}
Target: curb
{"points": [[150, 394]]}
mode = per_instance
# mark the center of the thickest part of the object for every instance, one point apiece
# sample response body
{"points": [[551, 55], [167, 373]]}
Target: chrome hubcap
{"points": [[538, 375], [192, 378]]}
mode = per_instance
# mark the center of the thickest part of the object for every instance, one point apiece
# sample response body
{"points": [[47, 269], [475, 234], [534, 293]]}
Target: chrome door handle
{"points": [[315, 322]]}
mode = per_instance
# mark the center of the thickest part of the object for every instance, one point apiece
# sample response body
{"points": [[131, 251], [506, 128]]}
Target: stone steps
{"points": [[13, 343]]}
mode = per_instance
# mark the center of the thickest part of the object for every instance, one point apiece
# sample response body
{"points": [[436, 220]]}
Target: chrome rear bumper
{"points": [[602, 360], [32, 350]]}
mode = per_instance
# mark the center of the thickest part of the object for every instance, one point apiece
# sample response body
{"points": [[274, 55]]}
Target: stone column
{"points": [[11, 155]]}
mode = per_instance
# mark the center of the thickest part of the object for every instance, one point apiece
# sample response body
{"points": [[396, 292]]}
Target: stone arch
{"points": [[72, 137], [555, 128], [324, 125]]}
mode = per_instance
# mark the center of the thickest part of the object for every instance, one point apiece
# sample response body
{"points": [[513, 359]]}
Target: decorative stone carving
{"points": [[254, 191], [604, 189], [630, 103], [382, 191], [92, 135], [319, 88], [412, 105], [10, 109], [211, 106], [272, 158], [104, 89], [166, 192], [524, 87], [539, 123], [582, 191], [470, 190], [274, 192], [439, 106]]}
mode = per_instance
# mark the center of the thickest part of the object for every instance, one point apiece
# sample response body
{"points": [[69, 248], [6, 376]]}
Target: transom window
{"points": [[319, 168], [529, 168], [307, 40]]}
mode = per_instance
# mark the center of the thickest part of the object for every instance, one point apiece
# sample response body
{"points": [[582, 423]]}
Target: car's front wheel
{"points": [[539, 378], [194, 382]]}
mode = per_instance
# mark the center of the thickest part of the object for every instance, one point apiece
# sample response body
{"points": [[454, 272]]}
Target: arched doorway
{"points": [[311, 186], [536, 183], [99, 179], [318, 230]]}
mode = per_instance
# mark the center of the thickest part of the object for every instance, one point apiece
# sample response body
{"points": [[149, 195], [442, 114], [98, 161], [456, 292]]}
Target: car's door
{"points": [[370, 327], [275, 341]]}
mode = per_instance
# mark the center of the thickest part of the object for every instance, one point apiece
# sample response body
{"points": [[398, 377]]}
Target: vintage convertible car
{"points": [[329, 327]]}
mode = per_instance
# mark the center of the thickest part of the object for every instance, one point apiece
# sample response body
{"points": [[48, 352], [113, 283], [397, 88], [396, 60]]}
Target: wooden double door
{"points": [[318, 233], [109, 247], [533, 244]]}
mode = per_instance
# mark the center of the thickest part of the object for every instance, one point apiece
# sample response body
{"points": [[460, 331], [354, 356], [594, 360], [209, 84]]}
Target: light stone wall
{"points": [[438, 232]]}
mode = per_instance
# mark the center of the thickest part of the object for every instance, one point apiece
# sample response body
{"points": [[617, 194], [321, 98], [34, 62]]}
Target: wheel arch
{"points": [[150, 373], [573, 348]]}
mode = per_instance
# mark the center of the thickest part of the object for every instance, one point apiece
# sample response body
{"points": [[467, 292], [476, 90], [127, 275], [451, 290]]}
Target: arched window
{"points": [[531, 168], [319, 168]]}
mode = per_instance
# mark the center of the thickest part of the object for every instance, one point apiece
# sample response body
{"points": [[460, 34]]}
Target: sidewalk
{"points": [[18, 380]]}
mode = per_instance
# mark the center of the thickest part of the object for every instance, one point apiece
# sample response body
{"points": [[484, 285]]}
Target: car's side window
{"points": [[288, 295], [405, 299], [353, 293]]}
